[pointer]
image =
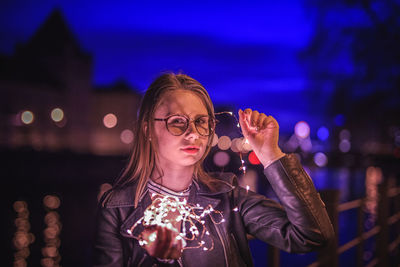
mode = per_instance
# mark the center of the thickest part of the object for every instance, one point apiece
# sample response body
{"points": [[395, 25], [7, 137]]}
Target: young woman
{"points": [[173, 136]]}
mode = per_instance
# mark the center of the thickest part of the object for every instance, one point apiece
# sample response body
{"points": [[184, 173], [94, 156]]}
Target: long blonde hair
{"points": [[142, 161]]}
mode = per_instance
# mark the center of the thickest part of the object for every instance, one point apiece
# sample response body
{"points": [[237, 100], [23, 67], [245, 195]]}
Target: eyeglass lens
{"points": [[177, 125]]}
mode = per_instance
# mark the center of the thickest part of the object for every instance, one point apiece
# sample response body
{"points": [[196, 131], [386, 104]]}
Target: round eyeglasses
{"points": [[178, 124]]}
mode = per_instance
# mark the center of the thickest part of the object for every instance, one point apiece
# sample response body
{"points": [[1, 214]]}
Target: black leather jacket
{"points": [[301, 225]]}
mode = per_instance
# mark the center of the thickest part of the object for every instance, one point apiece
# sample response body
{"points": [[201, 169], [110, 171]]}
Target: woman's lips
{"points": [[191, 149]]}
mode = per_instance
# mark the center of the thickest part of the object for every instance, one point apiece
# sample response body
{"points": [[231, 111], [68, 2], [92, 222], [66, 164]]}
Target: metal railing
{"points": [[384, 222]]}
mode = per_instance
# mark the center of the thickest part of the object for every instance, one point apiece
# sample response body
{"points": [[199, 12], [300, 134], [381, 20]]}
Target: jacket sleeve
{"points": [[108, 245], [302, 224]]}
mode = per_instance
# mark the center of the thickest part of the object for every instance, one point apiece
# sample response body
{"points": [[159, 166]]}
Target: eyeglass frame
{"points": [[189, 120]]}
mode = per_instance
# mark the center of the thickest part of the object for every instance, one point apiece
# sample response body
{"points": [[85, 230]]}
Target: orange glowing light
{"points": [[110, 120], [52, 202], [20, 206]]}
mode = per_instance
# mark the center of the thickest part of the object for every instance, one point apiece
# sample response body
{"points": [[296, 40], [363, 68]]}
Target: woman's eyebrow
{"points": [[185, 114]]}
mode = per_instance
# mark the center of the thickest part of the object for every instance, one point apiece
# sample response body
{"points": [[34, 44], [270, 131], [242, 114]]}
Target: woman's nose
{"points": [[191, 130]]}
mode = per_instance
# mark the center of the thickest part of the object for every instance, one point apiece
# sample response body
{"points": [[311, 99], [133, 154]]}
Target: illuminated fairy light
{"points": [[191, 218], [237, 145]]}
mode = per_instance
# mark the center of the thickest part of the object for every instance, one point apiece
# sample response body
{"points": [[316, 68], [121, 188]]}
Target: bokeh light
{"points": [[323, 133], [344, 145], [235, 145], [344, 134], [27, 117], [224, 142], [57, 114], [221, 158], [20, 206], [51, 202], [302, 129], [126, 136], [245, 146], [110, 120], [306, 145], [320, 159], [215, 140]]}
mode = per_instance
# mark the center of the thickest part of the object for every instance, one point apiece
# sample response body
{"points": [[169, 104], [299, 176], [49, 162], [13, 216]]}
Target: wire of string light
{"points": [[230, 113], [191, 216]]}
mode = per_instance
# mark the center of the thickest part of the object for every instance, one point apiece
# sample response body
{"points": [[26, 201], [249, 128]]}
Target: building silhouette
{"points": [[49, 103]]}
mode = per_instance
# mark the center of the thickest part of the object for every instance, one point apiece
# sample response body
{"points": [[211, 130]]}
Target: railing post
{"points": [[273, 256], [382, 240], [327, 256], [360, 231]]}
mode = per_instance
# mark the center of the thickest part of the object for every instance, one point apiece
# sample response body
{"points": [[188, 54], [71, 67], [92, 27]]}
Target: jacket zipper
{"points": [[223, 245]]}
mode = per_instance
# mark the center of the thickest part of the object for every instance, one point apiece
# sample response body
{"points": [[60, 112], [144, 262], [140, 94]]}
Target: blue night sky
{"points": [[244, 52]]}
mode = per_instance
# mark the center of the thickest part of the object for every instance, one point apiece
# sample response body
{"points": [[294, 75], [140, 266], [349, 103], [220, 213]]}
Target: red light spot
{"points": [[253, 158]]}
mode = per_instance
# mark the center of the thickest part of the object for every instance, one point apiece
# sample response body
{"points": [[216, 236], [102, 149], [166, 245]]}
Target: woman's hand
{"points": [[262, 132], [161, 242]]}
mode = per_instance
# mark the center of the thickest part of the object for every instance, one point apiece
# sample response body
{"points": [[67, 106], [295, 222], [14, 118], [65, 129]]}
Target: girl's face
{"points": [[184, 150]]}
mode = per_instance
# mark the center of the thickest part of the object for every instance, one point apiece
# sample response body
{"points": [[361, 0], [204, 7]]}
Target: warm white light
{"points": [[224, 142], [27, 117], [246, 147], [235, 145], [57, 114], [302, 129], [110, 120], [126, 136]]}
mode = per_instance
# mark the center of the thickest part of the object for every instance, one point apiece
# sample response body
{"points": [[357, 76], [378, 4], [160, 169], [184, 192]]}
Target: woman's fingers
{"points": [[165, 245], [269, 123], [254, 118], [163, 242], [260, 122], [251, 120], [243, 123]]}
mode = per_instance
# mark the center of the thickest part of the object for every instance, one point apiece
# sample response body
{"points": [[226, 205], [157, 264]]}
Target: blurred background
{"points": [[72, 74]]}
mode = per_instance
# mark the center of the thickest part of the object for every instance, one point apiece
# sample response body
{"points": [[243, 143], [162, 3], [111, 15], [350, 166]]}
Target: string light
{"points": [[239, 146], [191, 217]]}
